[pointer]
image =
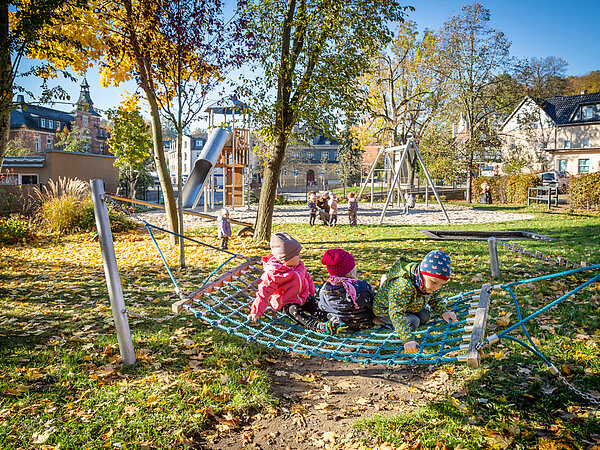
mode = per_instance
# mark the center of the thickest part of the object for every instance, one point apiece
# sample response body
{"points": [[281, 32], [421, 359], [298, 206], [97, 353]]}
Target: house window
{"points": [[50, 123], [49, 142], [85, 121], [585, 143], [43, 123], [567, 144], [29, 179], [310, 155], [562, 165], [543, 145], [198, 142], [588, 112], [37, 142], [58, 125], [184, 144], [583, 166], [284, 172]]}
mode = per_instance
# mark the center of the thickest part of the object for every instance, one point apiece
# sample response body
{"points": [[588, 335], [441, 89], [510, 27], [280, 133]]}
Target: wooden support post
{"points": [[478, 333], [494, 264]]}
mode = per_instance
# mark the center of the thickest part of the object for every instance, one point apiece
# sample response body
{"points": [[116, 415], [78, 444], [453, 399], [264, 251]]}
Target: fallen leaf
{"points": [[41, 438], [152, 400]]}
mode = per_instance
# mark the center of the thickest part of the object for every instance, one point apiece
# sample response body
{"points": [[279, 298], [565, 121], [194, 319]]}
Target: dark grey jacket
{"points": [[335, 301]]}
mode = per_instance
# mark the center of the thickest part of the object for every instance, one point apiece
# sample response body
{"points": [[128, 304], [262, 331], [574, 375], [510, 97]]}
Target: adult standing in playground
{"points": [[323, 205]]}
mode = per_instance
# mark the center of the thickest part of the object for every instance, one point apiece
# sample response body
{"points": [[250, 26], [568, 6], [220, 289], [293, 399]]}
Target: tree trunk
{"points": [[179, 196], [146, 84], [264, 219], [161, 169], [6, 91], [470, 176]]}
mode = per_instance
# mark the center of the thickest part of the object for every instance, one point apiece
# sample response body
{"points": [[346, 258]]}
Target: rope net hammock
{"points": [[225, 303]]}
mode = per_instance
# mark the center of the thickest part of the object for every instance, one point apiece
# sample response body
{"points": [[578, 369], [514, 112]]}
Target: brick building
{"points": [[39, 126]]}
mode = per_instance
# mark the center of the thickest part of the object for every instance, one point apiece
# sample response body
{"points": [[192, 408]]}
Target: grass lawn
{"points": [[62, 384]]}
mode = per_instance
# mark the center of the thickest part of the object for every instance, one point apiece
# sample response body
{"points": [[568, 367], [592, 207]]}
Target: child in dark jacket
{"points": [[224, 227], [312, 208], [343, 296]]}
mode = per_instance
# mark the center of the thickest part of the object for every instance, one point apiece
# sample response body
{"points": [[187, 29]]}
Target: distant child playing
{"points": [[403, 296], [343, 296], [286, 285], [224, 227], [312, 208], [352, 209], [333, 210]]}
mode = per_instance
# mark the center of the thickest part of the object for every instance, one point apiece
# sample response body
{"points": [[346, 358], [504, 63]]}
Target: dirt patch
{"points": [[321, 399]]}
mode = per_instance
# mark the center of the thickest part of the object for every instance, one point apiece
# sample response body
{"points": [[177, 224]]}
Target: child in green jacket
{"points": [[403, 296]]}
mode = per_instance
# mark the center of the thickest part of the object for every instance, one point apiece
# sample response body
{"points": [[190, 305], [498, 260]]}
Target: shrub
{"points": [[506, 188], [585, 191], [14, 229], [61, 214], [280, 199], [67, 208], [118, 221], [253, 198]]}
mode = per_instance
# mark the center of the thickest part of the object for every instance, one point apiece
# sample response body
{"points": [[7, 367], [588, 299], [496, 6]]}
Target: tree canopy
{"points": [[310, 54]]}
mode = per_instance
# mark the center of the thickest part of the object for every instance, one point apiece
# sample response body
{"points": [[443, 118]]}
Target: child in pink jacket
{"points": [[287, 286]]}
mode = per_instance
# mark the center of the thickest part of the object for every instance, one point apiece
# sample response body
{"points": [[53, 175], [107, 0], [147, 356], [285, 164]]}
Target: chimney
{"points": [[20, 98], [583, 92]]}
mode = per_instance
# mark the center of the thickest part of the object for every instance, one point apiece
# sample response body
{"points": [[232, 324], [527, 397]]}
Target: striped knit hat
{"points": [[436, 264]]}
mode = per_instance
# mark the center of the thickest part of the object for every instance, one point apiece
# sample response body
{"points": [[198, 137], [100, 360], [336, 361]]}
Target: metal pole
{"points": [[392, 185], [494, 264], [111, 272]]}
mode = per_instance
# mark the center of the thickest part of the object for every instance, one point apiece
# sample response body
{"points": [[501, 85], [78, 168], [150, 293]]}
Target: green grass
{"points": [[61, 381]]}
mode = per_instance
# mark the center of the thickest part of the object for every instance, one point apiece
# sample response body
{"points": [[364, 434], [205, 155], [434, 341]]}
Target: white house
{"points": [[557, 133]]}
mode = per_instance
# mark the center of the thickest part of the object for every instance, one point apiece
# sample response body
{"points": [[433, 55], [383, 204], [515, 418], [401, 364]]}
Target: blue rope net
{"points": [[228, 305]]}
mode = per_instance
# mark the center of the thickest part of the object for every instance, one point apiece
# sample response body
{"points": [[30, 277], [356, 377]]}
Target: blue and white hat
{"points": [[436, 264]]}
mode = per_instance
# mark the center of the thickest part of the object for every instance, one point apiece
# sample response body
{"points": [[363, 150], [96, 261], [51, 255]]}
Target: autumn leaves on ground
{"points": [[63, 386]]}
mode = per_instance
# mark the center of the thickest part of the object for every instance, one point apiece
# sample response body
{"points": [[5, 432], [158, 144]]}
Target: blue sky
{"points": [[537, 28]]}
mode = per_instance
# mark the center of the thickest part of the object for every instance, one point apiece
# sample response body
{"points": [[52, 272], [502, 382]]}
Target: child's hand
{"points": [[449, 315], [253, 317], [411, 347]]}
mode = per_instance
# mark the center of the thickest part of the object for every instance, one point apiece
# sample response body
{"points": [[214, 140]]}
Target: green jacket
{"points": [[399, 295]]}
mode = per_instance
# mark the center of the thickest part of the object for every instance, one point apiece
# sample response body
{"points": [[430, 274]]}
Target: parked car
{"points": [[557, 179]]}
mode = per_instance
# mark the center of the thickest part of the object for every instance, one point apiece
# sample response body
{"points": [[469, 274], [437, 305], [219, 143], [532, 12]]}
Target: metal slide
{"points": [[209, 156]]}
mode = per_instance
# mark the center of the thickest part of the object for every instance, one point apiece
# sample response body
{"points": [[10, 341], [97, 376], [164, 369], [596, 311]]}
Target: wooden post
{"points": [[478, 333], [494, 264]]}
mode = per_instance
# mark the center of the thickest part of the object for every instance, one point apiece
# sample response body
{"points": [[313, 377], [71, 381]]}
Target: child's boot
{"points": [[332, 327]]}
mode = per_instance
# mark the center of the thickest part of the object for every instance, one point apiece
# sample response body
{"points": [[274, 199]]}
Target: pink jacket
{"points": [[280, 285]]}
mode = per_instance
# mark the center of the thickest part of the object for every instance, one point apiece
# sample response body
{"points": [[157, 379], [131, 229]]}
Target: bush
{"points": [[68, 208], [118, 221], [280, 199], [61, 214], [585, 191], [14, 229], [253, 198], [506, 188]]}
